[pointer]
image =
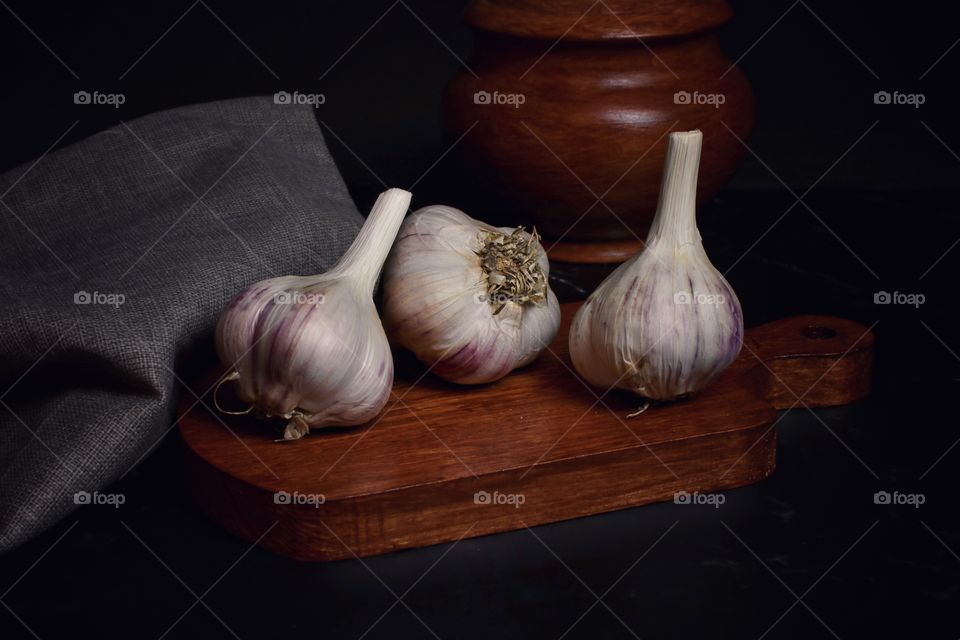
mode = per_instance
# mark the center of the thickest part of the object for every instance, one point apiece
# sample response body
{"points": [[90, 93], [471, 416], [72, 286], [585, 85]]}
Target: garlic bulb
{"points": [[665, 323], [470, 300], [311, 349]]}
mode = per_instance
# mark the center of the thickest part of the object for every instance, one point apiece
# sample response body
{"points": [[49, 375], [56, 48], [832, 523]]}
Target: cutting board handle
{"points": [[817, 361]]}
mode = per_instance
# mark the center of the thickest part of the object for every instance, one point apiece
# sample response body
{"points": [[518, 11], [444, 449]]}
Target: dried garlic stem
{"points": [[511, 266]]}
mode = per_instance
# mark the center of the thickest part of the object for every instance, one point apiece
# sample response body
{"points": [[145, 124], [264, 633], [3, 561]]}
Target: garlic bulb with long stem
{"points": [[666, 323], [470, 300], [311, 349]]}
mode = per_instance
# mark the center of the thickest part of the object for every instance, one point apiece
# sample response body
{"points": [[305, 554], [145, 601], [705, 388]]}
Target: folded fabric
{"points": [[118, 253]]}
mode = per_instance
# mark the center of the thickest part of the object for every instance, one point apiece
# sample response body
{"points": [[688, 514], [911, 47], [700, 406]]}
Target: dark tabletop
{"points": [[807, 553]]}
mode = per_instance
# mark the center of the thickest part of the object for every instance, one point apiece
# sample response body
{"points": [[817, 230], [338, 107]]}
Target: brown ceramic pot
{"points": [[570, 102]]}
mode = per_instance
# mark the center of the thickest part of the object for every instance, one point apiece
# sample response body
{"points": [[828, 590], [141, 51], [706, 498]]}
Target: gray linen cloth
{"points": [[116, 256]]}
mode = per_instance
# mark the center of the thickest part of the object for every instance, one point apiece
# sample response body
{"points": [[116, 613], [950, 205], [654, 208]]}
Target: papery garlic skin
{"points": [[666, 323], [312, 348], [328, 360], [436, 301]]}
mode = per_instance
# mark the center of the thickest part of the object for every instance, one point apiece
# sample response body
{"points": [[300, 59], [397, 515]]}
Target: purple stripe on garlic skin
{"points": [[312, 349], [666, 323]]}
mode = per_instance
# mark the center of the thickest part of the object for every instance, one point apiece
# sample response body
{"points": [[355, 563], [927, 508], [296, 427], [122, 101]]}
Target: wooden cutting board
{"points": [[445, 462]]}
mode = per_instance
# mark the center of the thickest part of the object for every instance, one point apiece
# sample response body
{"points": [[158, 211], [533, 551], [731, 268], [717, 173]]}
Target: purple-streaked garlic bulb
{"points": [[468, 299], [311, 349], [666, 323]]}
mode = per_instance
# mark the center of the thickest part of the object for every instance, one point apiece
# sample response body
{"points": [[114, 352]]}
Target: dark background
{"points": [[881, 216], [814, 97]]}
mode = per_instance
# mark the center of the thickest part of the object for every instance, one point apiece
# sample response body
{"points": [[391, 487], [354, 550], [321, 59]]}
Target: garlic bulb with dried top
{"points": [[311, 349], [468, 299], [665, 323]]}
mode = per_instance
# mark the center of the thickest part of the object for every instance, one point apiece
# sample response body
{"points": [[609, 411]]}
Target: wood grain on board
{"points": [[445, 462]]}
